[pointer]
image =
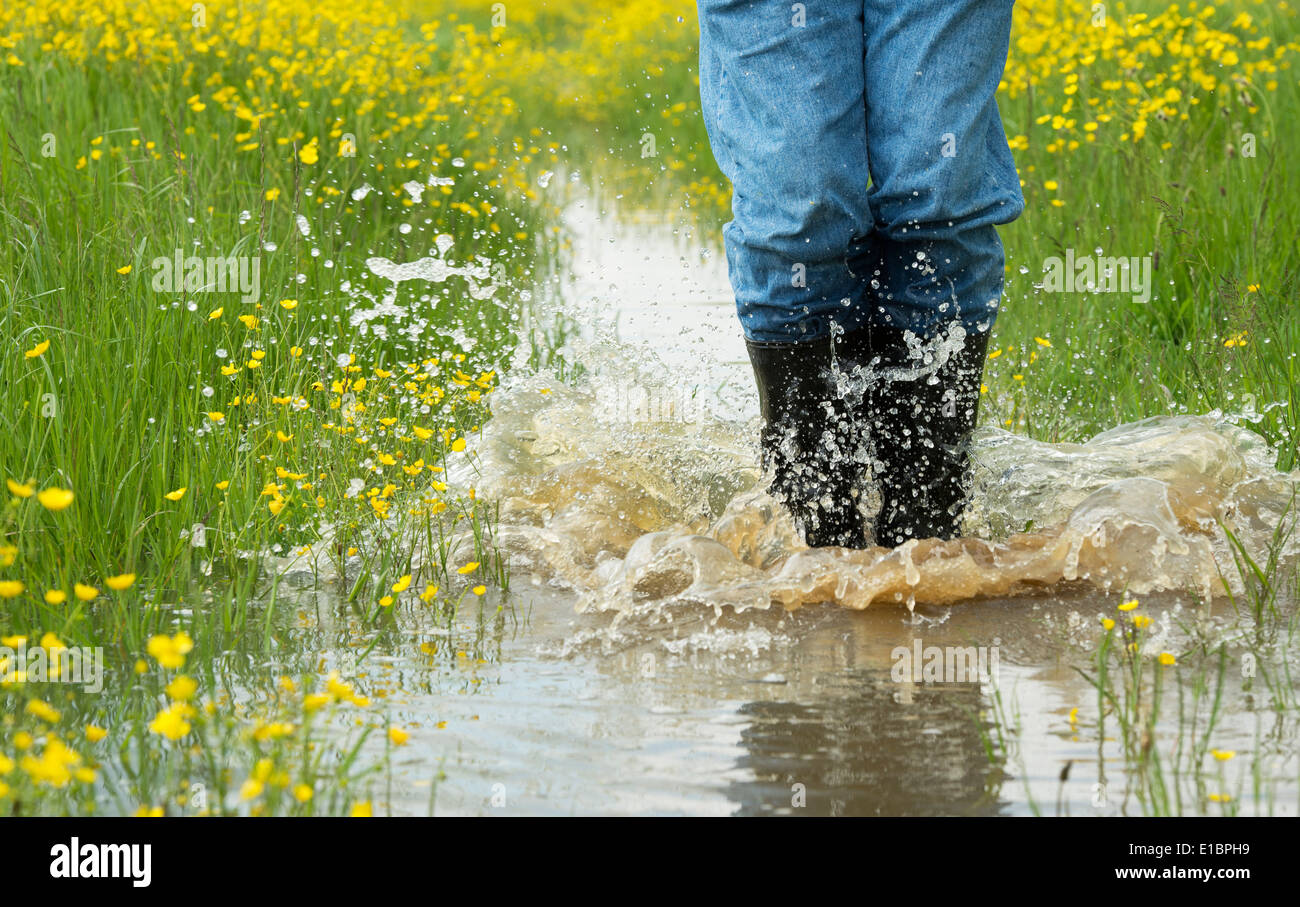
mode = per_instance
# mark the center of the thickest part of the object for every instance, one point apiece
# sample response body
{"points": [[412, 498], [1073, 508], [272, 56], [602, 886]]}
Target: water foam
{"points": [[639, 518]]}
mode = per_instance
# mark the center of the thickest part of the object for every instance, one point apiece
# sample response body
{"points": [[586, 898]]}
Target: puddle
{"points": [[667, 646]]}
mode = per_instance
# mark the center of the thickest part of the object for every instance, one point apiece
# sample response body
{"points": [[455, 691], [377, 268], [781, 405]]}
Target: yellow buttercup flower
{"points": [[84, 592], [38, 350], [120, 582], [171, 722], [397, 736], [43, 710], [170, 651], [21, 490], [55, 498], [11, 588], [273, 731], [181, 688], [177, 494]]}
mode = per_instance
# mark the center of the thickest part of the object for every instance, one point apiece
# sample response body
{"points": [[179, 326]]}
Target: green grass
{"points": [[116, 407]]}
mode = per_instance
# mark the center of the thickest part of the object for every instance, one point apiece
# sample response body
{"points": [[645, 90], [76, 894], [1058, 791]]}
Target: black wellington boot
{"points": [[919, 410], [808, 441]]}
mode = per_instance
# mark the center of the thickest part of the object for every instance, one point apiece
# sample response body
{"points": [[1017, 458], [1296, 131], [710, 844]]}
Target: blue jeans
{"points": [[867, 157]]}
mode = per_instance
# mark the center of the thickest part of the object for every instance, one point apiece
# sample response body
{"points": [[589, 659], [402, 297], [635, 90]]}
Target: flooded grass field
{"points": [[446, 499]]}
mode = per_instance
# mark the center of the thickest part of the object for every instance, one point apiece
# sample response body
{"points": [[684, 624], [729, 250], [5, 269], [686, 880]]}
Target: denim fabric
{"points": [[867, 158]]}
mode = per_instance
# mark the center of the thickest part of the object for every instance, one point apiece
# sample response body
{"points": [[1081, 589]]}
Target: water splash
{"points": [[650, 511], [432, 269], [642, 520]]}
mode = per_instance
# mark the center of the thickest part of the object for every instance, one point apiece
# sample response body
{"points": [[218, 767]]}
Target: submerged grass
{"points": [[1159, 717]]}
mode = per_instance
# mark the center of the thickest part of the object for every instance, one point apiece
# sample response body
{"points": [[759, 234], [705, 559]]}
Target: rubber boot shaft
{"points": [[808, 441], [918, 411]]}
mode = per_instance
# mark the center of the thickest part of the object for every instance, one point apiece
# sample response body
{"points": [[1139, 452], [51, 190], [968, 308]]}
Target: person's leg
{"points": [[942, 174], [942, 177], [782, 93]]}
